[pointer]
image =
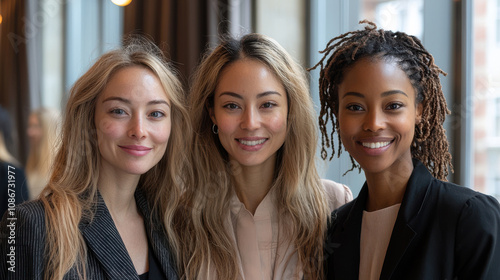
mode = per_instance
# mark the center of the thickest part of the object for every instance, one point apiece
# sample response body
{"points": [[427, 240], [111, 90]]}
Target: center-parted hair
{"points": [[299, 192], [429, 145]]}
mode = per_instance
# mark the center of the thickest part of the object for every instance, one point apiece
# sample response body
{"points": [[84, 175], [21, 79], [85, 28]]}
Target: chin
{"points": [[138, 170], [372, 166]]}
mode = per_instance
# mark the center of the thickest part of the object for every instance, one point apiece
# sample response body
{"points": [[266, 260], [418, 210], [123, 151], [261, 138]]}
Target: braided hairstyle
{"points": [[429, 145]]}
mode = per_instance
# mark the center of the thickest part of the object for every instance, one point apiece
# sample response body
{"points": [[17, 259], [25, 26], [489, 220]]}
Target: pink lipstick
{"points": [[136, 150]]}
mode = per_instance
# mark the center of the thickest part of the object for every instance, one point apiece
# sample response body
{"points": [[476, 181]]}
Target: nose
{"points": [[136, 128], [250, 119], [374, 121]]}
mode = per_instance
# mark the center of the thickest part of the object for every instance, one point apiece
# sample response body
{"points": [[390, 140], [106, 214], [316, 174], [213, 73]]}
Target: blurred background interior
{"points": [[45, 45]]}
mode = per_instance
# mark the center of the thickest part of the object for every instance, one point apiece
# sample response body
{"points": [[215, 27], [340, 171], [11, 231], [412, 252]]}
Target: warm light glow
{"points": [[0, 19], [121, 2]]}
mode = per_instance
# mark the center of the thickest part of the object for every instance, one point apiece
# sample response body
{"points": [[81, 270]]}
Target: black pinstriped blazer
{"points": [[107, 257]]}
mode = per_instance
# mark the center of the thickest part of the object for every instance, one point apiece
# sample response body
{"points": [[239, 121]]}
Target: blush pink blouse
{"points": [[265, 251]]}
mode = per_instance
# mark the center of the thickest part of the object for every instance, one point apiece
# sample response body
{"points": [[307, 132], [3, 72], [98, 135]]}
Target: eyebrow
{"points": [[260, 95], [124, 100], [384, 94]]}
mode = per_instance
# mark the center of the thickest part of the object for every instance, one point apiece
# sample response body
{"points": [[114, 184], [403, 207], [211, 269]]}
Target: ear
{"points": [[211, 113], [418, 115]]}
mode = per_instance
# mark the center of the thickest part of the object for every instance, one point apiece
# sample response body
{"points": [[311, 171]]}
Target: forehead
{"points": [[248, 76], [375, 76], [135, 83]]}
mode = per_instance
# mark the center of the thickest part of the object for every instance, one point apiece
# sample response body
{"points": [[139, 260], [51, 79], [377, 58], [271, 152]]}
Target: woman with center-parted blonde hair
{"points": [[106, 212], [43, 132], [257, 208]]}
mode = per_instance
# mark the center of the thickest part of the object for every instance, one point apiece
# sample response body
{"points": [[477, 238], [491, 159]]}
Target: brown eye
{"points": [[394, 106], [354, 108], [231, 106], [268, 105]]}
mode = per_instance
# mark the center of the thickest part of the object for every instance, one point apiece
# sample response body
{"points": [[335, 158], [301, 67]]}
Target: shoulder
{"points": [[477, 245], [337, 194], [477, 208], [23, 232], [455, 196], [339, 217], [472, 208], [30, 211], [28, 218]]}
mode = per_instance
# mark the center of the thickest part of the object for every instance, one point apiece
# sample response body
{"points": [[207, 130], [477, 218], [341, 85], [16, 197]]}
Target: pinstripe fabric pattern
{"points": [[107, 257], [29, 238], [157, 237]]}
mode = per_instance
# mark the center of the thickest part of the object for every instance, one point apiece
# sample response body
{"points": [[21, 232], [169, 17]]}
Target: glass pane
{"points": [[486, 96], [397, 15]]}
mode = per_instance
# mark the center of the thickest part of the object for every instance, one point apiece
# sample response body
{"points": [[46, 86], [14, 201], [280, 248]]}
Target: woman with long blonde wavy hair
{"points": [[106, 212], [258, 209]]}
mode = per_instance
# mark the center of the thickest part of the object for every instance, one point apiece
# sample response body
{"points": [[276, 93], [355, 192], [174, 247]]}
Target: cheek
{"points": [[344, 138], [347, 125], [226, 124], [277, 123], [405, 126], [108, 129], [348, 128], [161, 133]]}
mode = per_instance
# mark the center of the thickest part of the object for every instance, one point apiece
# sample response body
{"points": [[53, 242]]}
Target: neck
{"points": [[118, 194], [388, 188], [253, 183]]}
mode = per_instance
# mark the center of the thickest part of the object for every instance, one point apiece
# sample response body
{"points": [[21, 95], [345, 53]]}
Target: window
{"points": [[498, 22], [496, 112], [67, 38], [486, 97], [400, 15]]}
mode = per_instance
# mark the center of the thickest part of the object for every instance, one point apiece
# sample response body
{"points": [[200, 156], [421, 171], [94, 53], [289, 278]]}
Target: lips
{"points": [[251, 142], [375, 145], [136, 150]]}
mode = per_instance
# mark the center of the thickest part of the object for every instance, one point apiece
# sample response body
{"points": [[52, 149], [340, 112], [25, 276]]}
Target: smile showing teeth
{"points": [[252, 143], [375, 145]]}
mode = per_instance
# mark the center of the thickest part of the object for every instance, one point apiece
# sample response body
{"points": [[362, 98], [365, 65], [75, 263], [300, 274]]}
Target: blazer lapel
{"points": [[404, 230], [401, 238], [347, 244], [157, 237], [105, 243]]}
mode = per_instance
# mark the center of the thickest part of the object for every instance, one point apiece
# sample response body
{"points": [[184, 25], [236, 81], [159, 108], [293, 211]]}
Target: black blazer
{"points": [[16, 190], [107, 256], [442, 231]]}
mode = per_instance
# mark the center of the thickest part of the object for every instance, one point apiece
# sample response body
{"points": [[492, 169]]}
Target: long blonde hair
{"points": [[300, 194], [72, 189], [42, 153]]}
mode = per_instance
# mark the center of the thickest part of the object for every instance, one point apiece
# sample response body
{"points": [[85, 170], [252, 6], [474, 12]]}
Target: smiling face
{"points": [[250, 110], [132, 119], [377, 115]]}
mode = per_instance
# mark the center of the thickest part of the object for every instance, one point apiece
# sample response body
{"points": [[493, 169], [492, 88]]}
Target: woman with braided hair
{"points": [[381, 92]]}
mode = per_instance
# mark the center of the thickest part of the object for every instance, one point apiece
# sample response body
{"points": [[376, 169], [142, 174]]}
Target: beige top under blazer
{"points": [[265, 251]]}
